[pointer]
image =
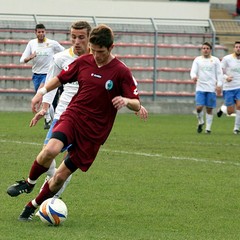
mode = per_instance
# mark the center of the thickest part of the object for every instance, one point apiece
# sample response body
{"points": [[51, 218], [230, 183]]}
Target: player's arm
{"points": [[54, 70], [39, 114], [226, 77], [37, 99], [142, 113], [132, 104], [27, 55], [194, 70]]}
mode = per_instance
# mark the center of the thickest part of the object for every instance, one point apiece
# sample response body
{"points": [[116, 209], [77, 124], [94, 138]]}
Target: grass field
{"points": [[151, 180]]}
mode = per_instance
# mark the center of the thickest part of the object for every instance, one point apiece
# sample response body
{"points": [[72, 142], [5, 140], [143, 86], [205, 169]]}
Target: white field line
{"points": [[139, 154]]}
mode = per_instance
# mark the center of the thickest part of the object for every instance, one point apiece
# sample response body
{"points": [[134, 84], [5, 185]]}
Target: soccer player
{"points": [[207, 73], [105, 86], [79, 33], [40, 50], [231, 86]]}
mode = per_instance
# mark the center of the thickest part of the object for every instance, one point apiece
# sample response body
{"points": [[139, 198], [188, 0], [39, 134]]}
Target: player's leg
{"points": [[47, 116], [229, 100], [200, 102], [40, 165], [50, 174], [36, 81], [59, 193], [209, 119], [211, 103], [237, 118], [50, 188]]}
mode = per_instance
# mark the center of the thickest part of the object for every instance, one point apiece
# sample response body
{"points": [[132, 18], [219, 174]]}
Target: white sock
{"points": [[34, 203], [200, 117], [50, 172], [237, 120], [51, 111], [209, 120]]}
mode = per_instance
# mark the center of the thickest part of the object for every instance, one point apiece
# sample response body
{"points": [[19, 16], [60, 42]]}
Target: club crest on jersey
{"points": [[109, 84]]}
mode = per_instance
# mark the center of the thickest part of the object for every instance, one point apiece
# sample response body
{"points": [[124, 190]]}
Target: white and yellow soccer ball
{"points": [[53, 211]]}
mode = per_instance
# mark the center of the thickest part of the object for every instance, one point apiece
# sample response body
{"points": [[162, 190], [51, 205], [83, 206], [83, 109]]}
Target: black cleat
{"points": [[18, 188], [236, 131], [47, 124], [208, 132], [27, 213], [200, 128], [219, 113]]}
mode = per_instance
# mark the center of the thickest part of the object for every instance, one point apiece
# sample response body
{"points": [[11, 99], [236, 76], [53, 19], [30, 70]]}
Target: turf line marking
{"points": [[139, 154], [172, 157], [19, 142]]}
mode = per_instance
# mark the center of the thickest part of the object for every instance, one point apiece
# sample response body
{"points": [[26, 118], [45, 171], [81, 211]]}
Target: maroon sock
{"points": [[44, 194], [36, 171]]}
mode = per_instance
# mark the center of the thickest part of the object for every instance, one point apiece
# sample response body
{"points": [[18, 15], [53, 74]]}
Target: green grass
{"points": [[151, 180]]}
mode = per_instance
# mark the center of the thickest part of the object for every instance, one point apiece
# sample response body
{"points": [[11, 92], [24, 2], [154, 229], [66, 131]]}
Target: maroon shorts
{"points": [[83, 152]]}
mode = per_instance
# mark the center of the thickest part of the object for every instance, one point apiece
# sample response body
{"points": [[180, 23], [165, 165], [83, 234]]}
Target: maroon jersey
{"points": [[91, 108]]}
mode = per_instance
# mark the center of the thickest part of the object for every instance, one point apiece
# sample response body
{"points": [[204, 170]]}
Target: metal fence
{"points": [[153, 28]]}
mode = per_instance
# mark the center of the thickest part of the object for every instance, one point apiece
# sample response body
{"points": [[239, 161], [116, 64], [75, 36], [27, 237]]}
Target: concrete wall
{"points": [[111, 8]]}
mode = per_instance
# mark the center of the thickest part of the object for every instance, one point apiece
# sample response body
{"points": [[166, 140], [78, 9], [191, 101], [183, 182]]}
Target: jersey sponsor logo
{"points": [[109, 84], [96, 75]]}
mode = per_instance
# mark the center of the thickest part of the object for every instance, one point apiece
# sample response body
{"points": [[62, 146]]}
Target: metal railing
{"points": [[154, 27]]}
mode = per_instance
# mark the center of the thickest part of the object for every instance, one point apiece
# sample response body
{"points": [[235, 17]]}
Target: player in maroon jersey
{"points": [[105, 86]]}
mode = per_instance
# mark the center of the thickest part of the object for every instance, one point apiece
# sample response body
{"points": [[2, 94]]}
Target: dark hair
{"points": [[40, 26], [237, 42], [102, 35], [208, 44], [82, 25]]}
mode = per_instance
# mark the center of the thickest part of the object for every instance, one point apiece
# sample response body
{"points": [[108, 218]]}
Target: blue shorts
{"points": [[49, 134], [38, 79], [230, 96], [208, 99]]}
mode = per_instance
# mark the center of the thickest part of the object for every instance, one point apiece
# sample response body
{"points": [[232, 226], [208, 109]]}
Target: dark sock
{"points": [[36, 171], [44, 194]]}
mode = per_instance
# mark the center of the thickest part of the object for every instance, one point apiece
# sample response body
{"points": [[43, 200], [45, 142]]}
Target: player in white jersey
{"points": [[79, 34], [207, 73], [40, 50], [231, 86]]}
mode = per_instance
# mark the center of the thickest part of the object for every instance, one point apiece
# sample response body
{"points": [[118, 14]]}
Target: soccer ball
{"points": [[53, 211]]}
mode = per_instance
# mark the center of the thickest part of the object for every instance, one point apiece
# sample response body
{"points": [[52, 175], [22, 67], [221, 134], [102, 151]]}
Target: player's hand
{"points": [[36, 102], [119, 102], [37, 117], [195, 79], [229, 78], [219, 91], [142, 113]]}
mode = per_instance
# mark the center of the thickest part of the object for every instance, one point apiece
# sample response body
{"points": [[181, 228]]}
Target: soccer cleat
{"points": [[27, 213], [200, 128], [236, 131], [18, 188], [47, 124], [208, 131], [219, 113]]}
